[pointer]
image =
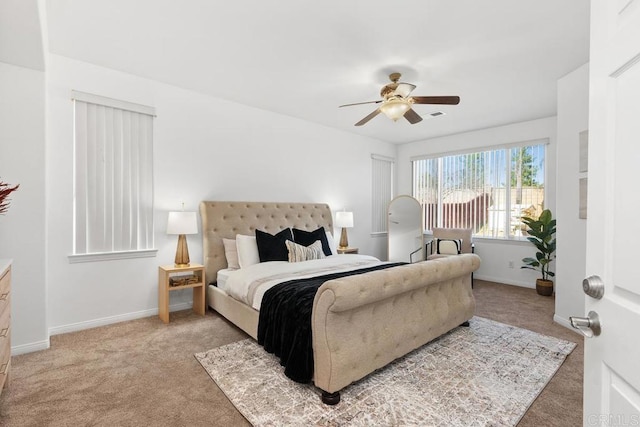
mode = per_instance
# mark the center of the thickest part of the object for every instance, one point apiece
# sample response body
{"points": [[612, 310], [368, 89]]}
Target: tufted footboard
{"points": [[361, 323]]}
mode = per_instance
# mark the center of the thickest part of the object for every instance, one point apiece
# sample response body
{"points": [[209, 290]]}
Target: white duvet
{"points": [[250, 283]]}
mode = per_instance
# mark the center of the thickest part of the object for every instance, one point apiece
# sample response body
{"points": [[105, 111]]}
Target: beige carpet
{"points": [[143, 373], [485, 375]]}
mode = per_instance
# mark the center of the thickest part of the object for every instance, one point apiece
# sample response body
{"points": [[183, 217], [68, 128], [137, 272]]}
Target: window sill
{"points": [[496, 240], [379, 234], [108, 256]]}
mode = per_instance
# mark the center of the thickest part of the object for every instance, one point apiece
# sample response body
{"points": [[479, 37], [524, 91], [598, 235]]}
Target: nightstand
{"points": [[348, 251], [172, 278]]}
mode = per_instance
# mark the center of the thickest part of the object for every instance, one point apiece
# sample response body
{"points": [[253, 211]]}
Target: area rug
{"points": [[485, 375]]}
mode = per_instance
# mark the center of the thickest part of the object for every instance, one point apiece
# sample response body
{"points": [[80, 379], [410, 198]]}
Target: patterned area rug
{"points": [[485, 375]]}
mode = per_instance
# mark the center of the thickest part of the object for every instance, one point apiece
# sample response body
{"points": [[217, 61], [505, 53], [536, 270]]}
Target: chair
{"points": [[464, 234]]}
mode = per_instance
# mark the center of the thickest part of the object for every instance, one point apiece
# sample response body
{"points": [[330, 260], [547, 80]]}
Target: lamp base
{"points": [[182, 252], [344, 241]]}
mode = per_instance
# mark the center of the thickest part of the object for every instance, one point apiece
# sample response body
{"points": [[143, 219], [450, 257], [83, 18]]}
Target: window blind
{"points": [[382, 191], [488, 191], [113, 176]]}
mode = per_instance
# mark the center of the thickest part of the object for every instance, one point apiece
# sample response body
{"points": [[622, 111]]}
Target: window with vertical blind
{"points": [[113, 178], [488, 191], [382, 191]]}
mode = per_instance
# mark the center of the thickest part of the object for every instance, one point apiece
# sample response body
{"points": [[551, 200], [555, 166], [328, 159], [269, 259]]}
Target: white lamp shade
{"points": [[182, 223], [344, 219]]}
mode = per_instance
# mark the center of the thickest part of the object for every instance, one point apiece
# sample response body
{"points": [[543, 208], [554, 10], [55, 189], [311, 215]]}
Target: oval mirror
{"points": [[405, 237]]}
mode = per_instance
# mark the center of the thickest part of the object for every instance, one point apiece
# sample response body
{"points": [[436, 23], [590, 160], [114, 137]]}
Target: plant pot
{"points": [[544, 287]]}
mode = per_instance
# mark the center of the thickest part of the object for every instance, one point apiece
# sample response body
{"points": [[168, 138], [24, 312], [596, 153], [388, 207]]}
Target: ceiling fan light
{"points": [[395, 108]]}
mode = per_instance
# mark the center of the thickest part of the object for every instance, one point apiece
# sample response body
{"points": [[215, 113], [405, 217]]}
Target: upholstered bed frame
{"points": [[360, 323]]}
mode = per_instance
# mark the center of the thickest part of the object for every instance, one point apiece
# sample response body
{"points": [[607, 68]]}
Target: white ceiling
{"points": [[303, 58]]}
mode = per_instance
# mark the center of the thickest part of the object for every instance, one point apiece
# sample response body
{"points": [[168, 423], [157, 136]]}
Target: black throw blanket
{"points": [[284, 325]]}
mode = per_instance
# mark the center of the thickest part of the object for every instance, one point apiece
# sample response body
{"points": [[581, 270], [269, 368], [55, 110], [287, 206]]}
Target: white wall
{"points": [[205, 148], [22, 228], [573, 118], [495, 254]]}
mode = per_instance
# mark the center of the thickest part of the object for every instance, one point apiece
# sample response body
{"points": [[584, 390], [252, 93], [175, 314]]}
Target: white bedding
{"points": [[223, 275], [249, 284]]}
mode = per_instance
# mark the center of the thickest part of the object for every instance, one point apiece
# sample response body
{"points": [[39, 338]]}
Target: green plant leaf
{"points": [[545, 216], [539, 245]]}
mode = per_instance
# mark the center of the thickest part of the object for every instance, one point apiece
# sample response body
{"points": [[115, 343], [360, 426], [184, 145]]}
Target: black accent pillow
{"points": [[273, 248], [306, 238]]}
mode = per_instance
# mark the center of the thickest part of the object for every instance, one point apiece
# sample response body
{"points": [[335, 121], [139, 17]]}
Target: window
{"points": [[382, 191], [487, 191], [113, 176]]}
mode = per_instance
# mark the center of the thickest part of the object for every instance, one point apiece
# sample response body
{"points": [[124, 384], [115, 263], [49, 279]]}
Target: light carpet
{"points": [[485, 375]]}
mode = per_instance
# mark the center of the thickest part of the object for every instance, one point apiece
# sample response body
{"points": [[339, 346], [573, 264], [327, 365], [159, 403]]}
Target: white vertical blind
{"points": [[113, 176], [382, 191], [487, 191]]}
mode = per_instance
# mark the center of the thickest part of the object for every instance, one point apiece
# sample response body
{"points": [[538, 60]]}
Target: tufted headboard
{"points": [[226, 219]]}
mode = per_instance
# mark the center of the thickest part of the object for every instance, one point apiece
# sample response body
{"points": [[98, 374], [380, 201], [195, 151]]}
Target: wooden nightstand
{"points": [[348, 251], [167, 273]]}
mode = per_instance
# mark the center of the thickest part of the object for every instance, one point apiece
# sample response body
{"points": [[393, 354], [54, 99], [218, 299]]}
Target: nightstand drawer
{"points": [[5, 308], [5, 360], [5, 316], [5, 284], [5, 342], [5, 322]]}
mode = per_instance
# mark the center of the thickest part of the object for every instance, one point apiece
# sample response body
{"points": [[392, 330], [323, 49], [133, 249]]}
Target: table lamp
{"points": [[182, 223], [344, 220]]}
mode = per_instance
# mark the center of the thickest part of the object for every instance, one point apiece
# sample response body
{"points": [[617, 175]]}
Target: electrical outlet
{"points": [[510, 264]]}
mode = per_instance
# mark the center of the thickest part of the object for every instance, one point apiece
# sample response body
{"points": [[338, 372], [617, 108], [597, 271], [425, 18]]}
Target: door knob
{"points": [[593, 286], [588, 326]]}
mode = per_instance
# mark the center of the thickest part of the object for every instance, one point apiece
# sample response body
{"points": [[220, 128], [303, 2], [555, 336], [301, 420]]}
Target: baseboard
{"points": [[73, 327], [505, 281], [30, 348], [565, 322]]}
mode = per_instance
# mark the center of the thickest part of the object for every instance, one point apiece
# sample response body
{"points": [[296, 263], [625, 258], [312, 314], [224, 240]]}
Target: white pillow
{"points": [[448, 246], [332, 243], [299, 253], [247, 250], [231, 252]]}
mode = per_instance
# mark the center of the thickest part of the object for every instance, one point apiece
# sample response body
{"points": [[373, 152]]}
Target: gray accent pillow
{"points": [[299, 253]]}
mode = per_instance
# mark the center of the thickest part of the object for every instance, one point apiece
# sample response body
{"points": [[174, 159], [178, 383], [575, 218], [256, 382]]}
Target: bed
{"points": [[359, 323]]}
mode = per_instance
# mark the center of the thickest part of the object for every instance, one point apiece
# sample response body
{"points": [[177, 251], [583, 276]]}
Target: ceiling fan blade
{"points": [[450, 100], [369, 117], [412, 117], [361, 103], [404, 89]]}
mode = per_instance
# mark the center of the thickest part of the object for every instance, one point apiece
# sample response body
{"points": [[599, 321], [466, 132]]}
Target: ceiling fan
{"points": [[397, 103]]}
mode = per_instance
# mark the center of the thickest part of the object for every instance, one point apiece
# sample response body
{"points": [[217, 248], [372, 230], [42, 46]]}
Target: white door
{"points": [[612, 360]]}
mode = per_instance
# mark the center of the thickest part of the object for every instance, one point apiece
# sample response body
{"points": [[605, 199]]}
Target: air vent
{"points": [[434, 115]]}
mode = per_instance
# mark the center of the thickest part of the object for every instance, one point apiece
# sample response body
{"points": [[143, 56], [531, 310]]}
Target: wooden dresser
{"points": [[5, 322]]}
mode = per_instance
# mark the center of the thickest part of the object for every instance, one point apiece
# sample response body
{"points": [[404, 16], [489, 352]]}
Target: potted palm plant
{"points": [[542, 234]]}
